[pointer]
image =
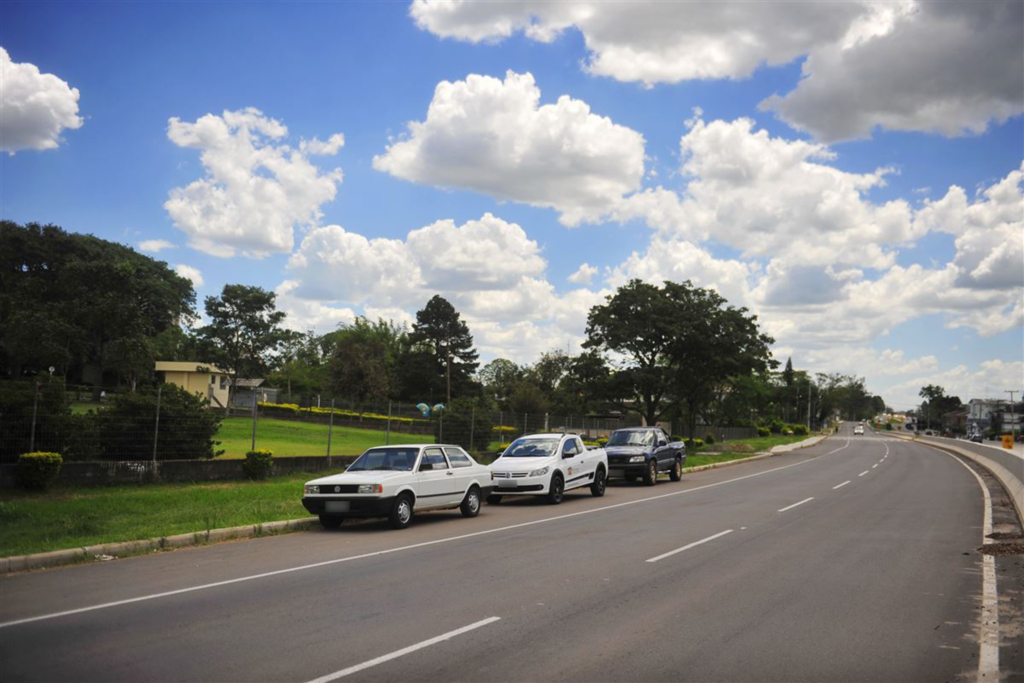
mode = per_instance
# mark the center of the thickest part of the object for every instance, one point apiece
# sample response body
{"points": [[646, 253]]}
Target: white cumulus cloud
{"points": [[191, 273], [34, 107], [494, 137], [155, 246], [583, 275], [255, 190]]}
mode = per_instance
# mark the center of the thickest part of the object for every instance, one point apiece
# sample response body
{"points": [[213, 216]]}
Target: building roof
{"points": [[248, 383], [189, 366]]}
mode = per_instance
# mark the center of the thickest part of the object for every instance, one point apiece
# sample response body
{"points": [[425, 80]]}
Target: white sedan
{"points": [[397, 481], [859, 429]]}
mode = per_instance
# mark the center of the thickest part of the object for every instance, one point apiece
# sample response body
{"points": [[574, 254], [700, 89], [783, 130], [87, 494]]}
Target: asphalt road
{"points": [[781, 572]]}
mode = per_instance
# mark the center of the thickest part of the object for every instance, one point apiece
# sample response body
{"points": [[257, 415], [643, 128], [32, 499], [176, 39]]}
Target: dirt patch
{"points": [[1003, 549], [1006, 536]]}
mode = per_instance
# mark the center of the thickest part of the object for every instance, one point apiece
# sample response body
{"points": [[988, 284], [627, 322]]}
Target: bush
{"points": [[764, 431], [694, 443], [602, 441], [52, 415], [799, 430], [776, 426], [676, 437], [709, 438], [258, 464], [187, 426], [888, 426], [36, 471]]}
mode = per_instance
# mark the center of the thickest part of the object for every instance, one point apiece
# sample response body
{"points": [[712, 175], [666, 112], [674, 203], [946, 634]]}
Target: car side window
{"points": [[435, 457], [458, 457], [570, 447]]}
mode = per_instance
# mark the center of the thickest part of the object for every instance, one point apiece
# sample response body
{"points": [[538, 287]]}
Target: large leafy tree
{"points": [[443, 338], [637, 322], [499, 378], [244, 332], [90, 308], [364, 361]]}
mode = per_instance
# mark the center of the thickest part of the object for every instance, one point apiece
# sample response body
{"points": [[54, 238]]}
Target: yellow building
{"points": [[204, 380]]}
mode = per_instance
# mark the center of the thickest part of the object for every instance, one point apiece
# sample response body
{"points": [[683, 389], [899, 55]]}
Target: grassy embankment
{"points": [[292, 437]]}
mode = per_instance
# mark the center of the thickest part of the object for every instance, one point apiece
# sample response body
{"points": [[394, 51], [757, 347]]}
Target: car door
{"points": [[573, 463], [664, 454], [435, 480], [462, 469]]}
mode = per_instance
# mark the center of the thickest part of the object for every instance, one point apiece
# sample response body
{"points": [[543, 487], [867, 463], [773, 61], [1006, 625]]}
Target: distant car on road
{"points": [[976, 438], [397, 481], [859, 429], [548, 465], [644, 452]]}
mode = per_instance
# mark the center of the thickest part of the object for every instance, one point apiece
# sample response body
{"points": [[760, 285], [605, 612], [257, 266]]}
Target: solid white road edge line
{"points": [[790, 507], [404, 651], [859, 475], [988, 657], [388, 551], [691, 545], [841, 485]]}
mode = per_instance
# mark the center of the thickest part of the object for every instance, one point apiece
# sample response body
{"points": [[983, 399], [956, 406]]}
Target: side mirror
{"points": [[426, 467], [568, 454]]}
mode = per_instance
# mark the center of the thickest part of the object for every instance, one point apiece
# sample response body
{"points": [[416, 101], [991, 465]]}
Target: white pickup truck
{"points": [[548, 465]]}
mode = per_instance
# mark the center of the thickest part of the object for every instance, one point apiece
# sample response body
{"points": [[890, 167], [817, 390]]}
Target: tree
{"points": [[637, 322], [932, 394], [499, 377], [88, 307], [441, 333], [364, 364], [245, 331]]}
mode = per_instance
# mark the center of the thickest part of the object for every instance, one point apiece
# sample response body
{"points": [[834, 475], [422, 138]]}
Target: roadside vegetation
{"points": [[291, 437], [79, 516]]}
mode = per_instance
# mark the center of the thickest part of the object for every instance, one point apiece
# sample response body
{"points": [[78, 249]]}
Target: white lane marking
{"points": [[841, 485], [859, 475], [790, 507], [988, 657], [404, 651], [874, 466], [388, 551], [691, 545]]}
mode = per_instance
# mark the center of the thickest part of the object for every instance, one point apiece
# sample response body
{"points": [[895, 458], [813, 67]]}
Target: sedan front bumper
{"points": [[357, 507]]}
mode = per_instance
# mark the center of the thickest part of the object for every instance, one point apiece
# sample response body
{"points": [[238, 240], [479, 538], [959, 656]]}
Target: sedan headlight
{"points": [[311, 488], [539, 473], [636, 458], [370, 488]]}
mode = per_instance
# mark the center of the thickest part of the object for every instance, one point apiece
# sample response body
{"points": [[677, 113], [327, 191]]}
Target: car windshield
{"points": [[531, 448], [628, 438], [400, 459]]}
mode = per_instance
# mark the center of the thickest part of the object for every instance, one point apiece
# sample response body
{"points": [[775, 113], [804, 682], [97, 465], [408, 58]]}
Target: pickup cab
{"points": [[548, 465], [644, 452]]}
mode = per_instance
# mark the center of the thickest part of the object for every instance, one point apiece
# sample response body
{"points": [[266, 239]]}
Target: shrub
{"points": [[787, 432], [676, 437], [799, 430], [602, 441], [52, 415], [258, 464], [888, 426], [36, 471], [187, 426], [709, 438], [694, 443], [764, 431], [776, 426]]}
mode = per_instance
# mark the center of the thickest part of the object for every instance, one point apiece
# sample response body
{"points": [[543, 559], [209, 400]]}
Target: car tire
{"points": [[331, 521], [471, 503], [600, 482], [556, 489], [401, 512], [494, 499], [651, 473], [676, 473]]}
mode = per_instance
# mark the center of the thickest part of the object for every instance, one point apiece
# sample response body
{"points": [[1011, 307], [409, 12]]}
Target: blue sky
{"points": [[636, 141]]}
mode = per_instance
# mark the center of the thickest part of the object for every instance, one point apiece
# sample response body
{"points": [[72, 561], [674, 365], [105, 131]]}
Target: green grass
{"points": [[80, 516], [757, 444], [291, 437]]}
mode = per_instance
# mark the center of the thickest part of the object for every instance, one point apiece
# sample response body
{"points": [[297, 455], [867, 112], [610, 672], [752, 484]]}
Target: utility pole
{"points": [[1013, 417]]}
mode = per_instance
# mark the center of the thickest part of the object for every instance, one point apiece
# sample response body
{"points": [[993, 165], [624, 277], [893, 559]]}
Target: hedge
{"points": [[37, 471], [293, 409], [258, 464]]}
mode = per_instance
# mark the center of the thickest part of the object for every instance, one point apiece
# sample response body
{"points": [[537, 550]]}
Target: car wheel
{"points": [[597, 488], [651, 473], [471, 503], [494, 499], [401, 511], [677, 470], [556, 490], [331, 521]]}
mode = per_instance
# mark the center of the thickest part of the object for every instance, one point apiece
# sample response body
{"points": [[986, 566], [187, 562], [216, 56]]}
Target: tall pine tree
{"points": [[440, 332]]}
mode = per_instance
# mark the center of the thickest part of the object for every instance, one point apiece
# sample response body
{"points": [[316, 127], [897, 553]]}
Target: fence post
{"points": [[156, 422], [440, 428], [526, 417], [472, 424], [387, 435], [35, 408], [330, 432], [253, 421]]}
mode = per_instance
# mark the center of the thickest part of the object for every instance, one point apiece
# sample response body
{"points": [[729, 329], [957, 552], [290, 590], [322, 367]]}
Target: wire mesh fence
{"points": [[154, 424]]}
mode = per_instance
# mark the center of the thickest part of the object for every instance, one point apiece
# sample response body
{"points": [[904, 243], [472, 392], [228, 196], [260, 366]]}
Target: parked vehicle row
{"points": [[397, 481]]}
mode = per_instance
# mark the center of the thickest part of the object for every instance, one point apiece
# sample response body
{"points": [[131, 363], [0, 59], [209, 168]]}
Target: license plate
{"points": [[616, 473], [507, 484], [336, 506]]}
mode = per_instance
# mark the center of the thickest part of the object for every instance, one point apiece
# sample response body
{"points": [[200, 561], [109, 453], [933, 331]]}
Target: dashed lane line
{"points": [[691, 545], [841, 485], [790, 507]]}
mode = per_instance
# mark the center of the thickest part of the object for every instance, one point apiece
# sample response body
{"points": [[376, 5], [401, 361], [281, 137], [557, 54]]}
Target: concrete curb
{"points": [[56, 558]]}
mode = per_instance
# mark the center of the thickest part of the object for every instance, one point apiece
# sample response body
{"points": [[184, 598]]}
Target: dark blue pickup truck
{"points": [[643, 452]]}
